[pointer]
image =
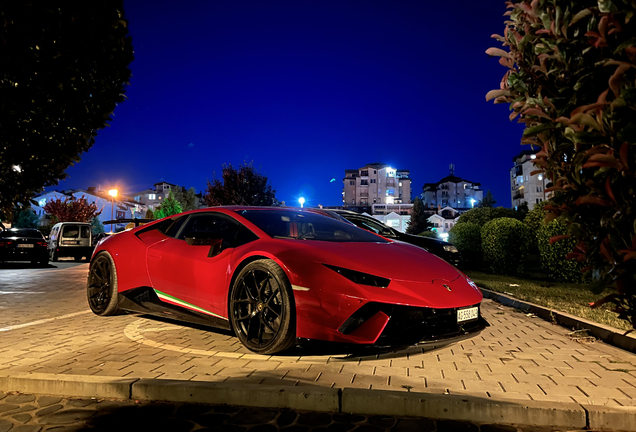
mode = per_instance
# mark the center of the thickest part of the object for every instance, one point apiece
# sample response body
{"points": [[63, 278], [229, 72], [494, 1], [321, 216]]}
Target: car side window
{"points": [[214, 226], [172, 229]]}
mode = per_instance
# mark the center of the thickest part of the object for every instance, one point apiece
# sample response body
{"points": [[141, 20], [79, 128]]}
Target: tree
{"points": [[488, 201], [27, 219], [96, 226], [149, 214], [571, 80], [169, 207], [72, 210], [188, 200], [63, 69], [244, 186], [419, 219]]}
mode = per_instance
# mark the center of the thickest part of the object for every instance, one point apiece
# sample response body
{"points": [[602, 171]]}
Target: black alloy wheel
{"points": [[101, 288], [262, 309]]}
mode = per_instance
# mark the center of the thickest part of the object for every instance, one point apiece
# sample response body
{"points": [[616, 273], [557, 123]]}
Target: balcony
{"points": [[364, 194]]}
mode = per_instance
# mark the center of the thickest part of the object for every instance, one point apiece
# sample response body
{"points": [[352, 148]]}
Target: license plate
{"points": [[25, 245], [70, 242], [467, 314]]}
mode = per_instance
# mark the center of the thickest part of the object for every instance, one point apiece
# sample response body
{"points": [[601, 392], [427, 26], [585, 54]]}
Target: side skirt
{"points": [[145, 300]]}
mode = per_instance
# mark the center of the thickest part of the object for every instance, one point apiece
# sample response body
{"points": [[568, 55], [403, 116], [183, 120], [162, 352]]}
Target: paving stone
{"points": [[264, 428], [253, 416], [211, 420], [455, 426], [48, 410], [80, 403], [314, 419], [27, 428], [414, 425], [67, 416], [44, 401], [5, 425], [286, 417], [20, 398], [20, 409], [2, 396], [8, 407], [339, 427], [191, 411], [22, 418]]}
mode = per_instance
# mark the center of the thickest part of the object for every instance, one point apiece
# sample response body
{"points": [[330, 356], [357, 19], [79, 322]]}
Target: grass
{"points": [[565, 297]]}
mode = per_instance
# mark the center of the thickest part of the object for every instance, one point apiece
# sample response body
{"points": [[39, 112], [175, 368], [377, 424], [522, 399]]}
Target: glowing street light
{"points": [[301, 200], [113, 194], [472, 202]]}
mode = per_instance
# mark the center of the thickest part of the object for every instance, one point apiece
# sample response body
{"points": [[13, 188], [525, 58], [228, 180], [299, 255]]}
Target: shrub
{"points": [[467, 239], [483, 215], [26, 219], [553, 256], [534, 220], [504, 242]]}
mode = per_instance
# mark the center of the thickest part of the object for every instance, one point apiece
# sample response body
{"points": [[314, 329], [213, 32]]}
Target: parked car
{"points": [[441, 248], [70, 239], [23, 244], [277, 276]]}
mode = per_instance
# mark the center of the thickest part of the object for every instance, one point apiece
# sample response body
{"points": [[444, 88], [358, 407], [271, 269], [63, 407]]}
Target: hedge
{"points": [[505, 242]]}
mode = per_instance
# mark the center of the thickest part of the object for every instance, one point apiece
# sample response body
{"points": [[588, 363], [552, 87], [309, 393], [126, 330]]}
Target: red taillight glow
{"points": [[41, 243]]}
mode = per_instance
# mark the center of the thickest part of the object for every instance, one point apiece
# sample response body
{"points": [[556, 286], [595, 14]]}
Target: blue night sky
{"points": [[305, 89]]}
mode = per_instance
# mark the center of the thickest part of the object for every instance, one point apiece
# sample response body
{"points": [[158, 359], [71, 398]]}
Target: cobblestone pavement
{"points": [[37, 413], [46, 327]]}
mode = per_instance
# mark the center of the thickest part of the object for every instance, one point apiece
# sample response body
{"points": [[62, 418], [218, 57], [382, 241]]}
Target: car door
{"points": [[192, 267]]}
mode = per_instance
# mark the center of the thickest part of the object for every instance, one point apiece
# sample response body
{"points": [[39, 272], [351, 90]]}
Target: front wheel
{"points": [[262, 309], [101, 288]]}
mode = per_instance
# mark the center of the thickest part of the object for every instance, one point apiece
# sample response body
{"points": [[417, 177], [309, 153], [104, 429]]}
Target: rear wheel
{"points": [[102, 285], [262, 308]]}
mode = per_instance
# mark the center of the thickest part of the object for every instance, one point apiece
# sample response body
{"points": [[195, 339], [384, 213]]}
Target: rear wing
{"points": [[136, 221]]}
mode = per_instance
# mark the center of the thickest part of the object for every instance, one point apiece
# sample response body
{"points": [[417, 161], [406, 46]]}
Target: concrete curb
{"points": [[607, 334], [347, 400], [68, 385], [302, 398], [458, 407]]}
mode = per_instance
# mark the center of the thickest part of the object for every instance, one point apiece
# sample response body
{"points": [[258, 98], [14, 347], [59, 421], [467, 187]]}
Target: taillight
{"points": [[3, 244], [6, 243], [41, 243]]}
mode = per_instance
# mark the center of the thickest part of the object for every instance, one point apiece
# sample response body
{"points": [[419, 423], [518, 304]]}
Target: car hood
{"points": [[395, 260]]}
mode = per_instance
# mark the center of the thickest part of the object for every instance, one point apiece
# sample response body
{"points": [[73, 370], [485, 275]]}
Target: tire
{"points": [[262, 309], [101, 286]]}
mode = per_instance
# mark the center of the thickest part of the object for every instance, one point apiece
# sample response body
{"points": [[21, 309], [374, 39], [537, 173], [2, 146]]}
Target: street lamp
{"points": [[301, 200], [113, 194]]}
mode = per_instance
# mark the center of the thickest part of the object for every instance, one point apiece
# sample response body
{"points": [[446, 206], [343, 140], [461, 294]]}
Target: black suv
{"points": [[442, 249]]}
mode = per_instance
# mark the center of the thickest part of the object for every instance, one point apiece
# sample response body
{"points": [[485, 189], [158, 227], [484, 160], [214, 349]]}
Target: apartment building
{"points": [[452, 191], [375, 184], [525, 187]]}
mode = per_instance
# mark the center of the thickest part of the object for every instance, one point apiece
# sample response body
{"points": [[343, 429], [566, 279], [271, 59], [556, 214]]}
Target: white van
{"points": [[70, 239]]}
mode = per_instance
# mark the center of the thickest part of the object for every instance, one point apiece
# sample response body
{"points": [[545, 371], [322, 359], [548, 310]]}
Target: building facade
{"points": [[452, 191], [524, 186], [375, 184]]}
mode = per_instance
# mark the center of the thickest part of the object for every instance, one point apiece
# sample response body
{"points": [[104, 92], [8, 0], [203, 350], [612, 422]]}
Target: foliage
{"points": [[482, 215], [553, 255], [419, 222], [431, 234], [572, 80], [188, 200], [63, 69], [149, 214], [488, 201], [243, 186], [169, 207], [467, 239], [96, 226], [534, 221], [504, 242], [46, 229], [72, 210], [26, 219]]}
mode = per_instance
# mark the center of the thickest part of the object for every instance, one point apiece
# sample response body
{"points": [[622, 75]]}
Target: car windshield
{"points": [[306, 226], [71, 231], [15, 232]]}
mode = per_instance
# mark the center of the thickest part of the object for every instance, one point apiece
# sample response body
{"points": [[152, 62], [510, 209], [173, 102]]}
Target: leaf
{"points": [[586, 120], [559, 238], [615, 80], [579, 16], [498, 52], [492, 94], [536, 129], [536, 112], [592, 200], [623, 154]]}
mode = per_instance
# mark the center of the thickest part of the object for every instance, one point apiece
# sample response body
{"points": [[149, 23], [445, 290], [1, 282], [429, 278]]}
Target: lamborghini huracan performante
{"points": [[277, 276]]}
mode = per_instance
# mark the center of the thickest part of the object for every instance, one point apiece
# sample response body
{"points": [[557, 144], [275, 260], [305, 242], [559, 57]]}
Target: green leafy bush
{"points": [[504, 242], [554, 256], [96, 226], [26, 219], [482, 215], [534, 220], [467, 239], [571, 79]]}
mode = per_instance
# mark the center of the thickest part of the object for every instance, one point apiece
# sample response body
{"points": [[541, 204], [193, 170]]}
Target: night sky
{"points": [[305, 89]]}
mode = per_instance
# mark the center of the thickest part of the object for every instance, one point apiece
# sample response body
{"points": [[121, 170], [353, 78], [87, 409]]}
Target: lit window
{"points": [[533, 156]]}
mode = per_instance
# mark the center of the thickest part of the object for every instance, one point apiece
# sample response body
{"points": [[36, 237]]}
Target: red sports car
{"points": [[277, 276]]}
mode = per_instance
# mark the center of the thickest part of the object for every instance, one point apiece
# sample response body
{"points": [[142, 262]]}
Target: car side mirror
{"points": [[214, 243]]}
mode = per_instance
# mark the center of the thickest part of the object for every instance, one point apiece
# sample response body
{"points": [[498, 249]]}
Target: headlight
{"points": [[360, 278], [471, 283], [450, 248]]}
